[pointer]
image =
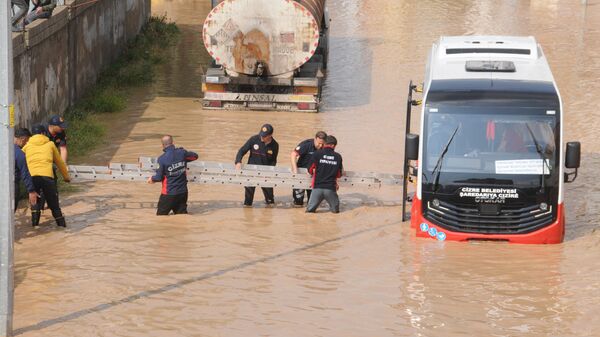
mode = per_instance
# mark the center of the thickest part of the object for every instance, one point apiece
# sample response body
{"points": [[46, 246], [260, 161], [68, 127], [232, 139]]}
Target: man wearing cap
{"points": [[41, 154], [55, 131], [21, 170], [301, 157], [172, 172], [263, 151], [326, 167]]}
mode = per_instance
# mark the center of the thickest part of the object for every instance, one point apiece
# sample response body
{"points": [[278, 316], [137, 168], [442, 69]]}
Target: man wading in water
{"points": [[172, 172], [263, 151], [325, 169]]}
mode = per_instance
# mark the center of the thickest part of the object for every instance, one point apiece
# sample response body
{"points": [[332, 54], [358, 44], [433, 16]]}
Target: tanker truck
{"points": [[267, 54]]}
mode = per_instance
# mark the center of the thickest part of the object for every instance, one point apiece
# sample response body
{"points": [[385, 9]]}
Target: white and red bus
{"points": [[491, 162]]}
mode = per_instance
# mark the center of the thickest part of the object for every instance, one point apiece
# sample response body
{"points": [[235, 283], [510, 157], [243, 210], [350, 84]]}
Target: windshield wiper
{"points": [[542, 154], [437, 169]]}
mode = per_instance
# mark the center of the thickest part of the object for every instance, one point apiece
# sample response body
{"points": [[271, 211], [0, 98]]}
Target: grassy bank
{"points": [[135, 67]]}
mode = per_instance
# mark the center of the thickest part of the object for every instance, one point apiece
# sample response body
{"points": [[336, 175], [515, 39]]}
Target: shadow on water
{"points": [[142, 137], [582, 199], [348, 203], [182, 283], [75, 222], [21, 270], [23, 228], [349, 73], [179, 76], [118, 135], [150, 119], [104, 205]]}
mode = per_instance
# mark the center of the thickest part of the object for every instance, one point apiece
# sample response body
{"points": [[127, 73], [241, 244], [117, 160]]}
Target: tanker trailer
{"points": [[267, 54]]}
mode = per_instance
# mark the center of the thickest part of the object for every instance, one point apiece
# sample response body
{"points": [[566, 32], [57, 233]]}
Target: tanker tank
{"points": [[263, 37]]}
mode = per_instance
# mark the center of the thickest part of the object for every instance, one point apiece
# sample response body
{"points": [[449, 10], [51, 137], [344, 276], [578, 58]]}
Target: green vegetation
{"points": [[135, 67]]}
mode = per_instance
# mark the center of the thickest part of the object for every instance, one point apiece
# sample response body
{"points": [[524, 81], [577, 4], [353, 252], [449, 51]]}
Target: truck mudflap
{"points": [[260, 101], [553, 233]]}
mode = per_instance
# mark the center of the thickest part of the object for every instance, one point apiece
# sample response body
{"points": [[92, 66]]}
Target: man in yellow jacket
{"points": [[41, 153]]}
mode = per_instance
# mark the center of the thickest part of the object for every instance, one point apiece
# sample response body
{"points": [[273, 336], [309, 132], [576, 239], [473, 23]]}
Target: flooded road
{"points": [[118, 270]]}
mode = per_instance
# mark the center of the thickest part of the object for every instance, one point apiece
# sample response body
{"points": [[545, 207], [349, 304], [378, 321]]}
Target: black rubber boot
{"points": [[42, 201], [60, 221], [35, 218]]}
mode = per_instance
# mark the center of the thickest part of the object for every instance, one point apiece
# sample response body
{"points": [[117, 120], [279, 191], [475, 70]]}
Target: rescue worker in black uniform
{"points": [[263, 151], [326, 167], [172, 172], [301, 157]]}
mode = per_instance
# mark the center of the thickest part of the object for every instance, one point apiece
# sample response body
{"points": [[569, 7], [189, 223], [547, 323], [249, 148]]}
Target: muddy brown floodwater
{"points": [[118, 270]]}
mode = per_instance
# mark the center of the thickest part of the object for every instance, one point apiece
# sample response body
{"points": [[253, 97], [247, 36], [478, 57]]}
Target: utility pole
{"points": [[7, 170]]}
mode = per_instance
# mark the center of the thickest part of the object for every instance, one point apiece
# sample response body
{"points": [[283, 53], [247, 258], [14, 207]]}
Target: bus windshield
{"points": [[491, 141]]}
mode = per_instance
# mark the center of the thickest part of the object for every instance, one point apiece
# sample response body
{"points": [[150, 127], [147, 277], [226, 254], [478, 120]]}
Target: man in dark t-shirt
{"points": [[326, 167], [301, 157], [263, 150]]}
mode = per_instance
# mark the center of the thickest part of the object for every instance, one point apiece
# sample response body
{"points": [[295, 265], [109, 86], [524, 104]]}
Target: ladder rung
{"points": [[226, 174]]}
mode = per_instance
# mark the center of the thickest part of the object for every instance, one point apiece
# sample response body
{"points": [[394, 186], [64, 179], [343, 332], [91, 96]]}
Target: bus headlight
{"points": [[544, 206]]}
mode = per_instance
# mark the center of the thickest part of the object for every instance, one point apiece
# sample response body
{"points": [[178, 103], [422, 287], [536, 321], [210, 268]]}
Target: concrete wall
{"points": [[57, 60]]}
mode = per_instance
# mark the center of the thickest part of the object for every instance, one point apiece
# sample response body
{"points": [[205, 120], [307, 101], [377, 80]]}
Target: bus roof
{"points": [[488, 57]]}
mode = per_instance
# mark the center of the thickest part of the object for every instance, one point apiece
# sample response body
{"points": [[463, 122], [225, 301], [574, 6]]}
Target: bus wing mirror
{"points": [[572, 160], [412, 147], [573, 156]]}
